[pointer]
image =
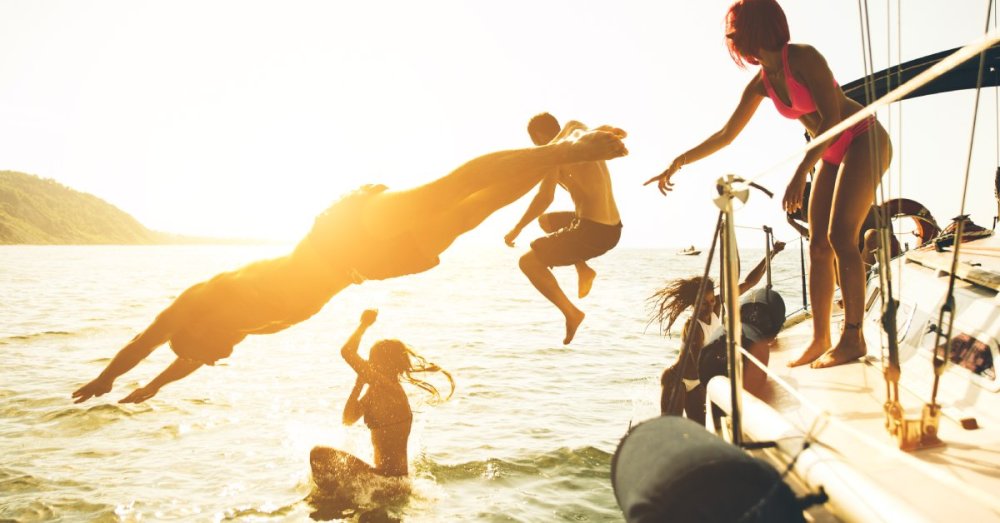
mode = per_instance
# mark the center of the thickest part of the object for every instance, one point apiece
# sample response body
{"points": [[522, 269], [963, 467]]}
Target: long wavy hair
{"points": [[400, 360], [668, 303]]}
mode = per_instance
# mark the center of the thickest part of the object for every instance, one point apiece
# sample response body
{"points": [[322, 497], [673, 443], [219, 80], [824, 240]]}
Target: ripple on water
{"points": [[12, 481], [75, 421]]}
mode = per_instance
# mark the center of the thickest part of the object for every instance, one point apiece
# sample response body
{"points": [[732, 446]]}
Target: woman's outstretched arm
{"points": [[741, 115], [350, 349], [755, 274]]}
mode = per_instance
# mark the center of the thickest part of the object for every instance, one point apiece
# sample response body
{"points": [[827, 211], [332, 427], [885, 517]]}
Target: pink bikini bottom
{"points": [[834, 154]]}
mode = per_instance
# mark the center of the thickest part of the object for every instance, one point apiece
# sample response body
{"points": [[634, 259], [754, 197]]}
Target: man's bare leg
{"points": [[447, 226], [552, 222], [543, 280], [585, 278], [392, 213]]}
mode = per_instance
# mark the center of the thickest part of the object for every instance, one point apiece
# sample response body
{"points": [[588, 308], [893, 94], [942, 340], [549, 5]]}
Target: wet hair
{"points": [[752, 25], [669, 302], [396, 358], [543, 126]]}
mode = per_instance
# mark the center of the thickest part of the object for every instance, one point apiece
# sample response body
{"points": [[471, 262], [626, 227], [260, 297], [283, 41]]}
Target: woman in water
{"points": [[799, 82], [668, 304], [384, 406]]}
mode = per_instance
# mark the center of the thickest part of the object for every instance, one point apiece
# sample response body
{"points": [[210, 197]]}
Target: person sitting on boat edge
{"points": [[372, 233], [800, 84], [668, 304], [384, 406], [592, 229]]}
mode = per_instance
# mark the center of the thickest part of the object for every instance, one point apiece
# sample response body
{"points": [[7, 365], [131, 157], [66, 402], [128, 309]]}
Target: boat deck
{"points": [[979, 261], [960, 479]]}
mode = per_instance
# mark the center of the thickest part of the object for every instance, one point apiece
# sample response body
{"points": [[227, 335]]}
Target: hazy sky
{"points": [[245, 118]]}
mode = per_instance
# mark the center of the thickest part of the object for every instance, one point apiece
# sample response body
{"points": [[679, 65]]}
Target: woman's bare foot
{"points": [[573, 321], [586, 280], [850, 347], [815, 349]]}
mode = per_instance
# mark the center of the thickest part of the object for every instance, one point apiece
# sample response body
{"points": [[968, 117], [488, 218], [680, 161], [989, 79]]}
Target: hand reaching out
{"points": [[368, 317], [97, 387], [140, 395], [663, 179], [511, 236]]}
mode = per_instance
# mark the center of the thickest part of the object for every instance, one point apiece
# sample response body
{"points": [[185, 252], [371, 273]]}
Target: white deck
{"points": [[959, 481]]}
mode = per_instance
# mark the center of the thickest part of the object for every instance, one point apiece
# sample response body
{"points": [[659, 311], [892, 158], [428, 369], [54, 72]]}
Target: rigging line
{"points": [[948, 63], [888, 77], [870, 91], [942, 338], [881, 219], [899, 114], [975, 116]]}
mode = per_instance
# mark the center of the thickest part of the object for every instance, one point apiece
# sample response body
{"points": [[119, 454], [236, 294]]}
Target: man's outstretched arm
{"points": [[755, 274], [538, 205], [180, 368], [135, 351]]}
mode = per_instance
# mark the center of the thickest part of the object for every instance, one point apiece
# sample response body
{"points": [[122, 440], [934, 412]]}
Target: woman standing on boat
{"points": [[799, 82]]}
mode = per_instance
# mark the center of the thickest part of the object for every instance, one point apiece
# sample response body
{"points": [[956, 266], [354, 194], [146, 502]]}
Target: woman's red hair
{"points": [[752, 25]]}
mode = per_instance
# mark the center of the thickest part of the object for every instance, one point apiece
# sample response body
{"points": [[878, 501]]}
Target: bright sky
{"points": [[247, 118]]}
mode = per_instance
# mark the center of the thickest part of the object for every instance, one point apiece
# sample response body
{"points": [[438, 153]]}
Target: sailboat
{"points": [[910, 433]]}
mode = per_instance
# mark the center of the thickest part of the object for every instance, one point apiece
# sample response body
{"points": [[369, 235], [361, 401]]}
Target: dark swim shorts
{"points": [[578, 241]]}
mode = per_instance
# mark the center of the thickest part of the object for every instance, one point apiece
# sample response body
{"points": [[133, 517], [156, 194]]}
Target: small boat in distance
{"points": [[689, 251]]}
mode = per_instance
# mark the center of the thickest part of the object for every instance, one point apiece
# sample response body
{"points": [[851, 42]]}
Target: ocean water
{"points": [[528, 435]]}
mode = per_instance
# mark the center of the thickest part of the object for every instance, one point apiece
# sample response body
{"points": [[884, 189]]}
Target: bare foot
{"points": [[586, 275], [591, 146], [573, 322], [850, 347], [815, 349]]}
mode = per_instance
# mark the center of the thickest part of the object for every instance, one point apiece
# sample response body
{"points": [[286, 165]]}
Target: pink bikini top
{"points": [[798, 94]]}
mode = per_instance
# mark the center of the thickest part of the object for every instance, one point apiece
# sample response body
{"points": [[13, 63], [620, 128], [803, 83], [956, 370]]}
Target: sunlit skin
{"points": [[693, 402], [384, 407], [387, 234], [841, 197], [869, 241], [589, 185]]}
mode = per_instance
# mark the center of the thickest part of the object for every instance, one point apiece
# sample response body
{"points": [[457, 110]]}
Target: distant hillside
{"points": [[35, 210]]}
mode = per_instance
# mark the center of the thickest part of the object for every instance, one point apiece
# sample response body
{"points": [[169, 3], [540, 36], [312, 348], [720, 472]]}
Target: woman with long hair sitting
{"points": [[668, 304], [385, 408]]}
